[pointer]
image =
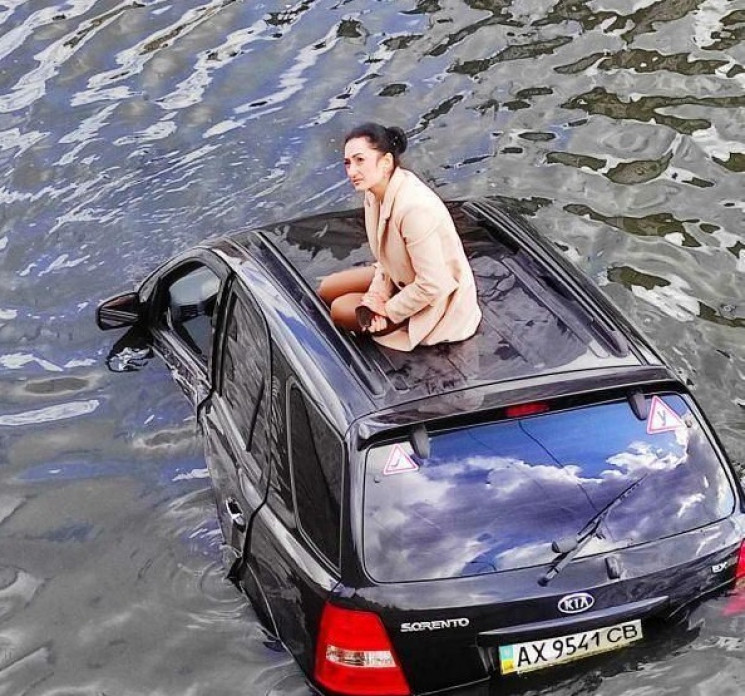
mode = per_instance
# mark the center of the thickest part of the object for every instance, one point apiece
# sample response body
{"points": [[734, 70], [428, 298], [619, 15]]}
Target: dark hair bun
{"points": [[398, 140]]}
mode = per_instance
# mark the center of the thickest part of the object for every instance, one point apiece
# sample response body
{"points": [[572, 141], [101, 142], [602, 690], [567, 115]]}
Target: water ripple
{"points": [[72, 409], [292, 80], [22, 141], [236, 45], [131, 61], [32, 86]]}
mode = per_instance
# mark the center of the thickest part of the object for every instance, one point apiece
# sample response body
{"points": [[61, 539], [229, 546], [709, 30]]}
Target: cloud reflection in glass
{"points": [[493, 497]]}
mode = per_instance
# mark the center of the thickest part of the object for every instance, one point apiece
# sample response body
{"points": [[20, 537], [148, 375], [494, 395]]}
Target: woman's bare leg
{"points": [[353, 280], [343, 311], [343, 292]]}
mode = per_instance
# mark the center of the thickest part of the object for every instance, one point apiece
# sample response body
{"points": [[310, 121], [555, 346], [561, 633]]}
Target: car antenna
{"points": [[419, 439]]}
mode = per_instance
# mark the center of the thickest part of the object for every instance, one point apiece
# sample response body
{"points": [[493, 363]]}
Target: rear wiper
{"points": [[568, 547]]}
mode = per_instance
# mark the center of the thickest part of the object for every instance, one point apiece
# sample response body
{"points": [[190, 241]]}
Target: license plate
{"points": [[537, 654]]}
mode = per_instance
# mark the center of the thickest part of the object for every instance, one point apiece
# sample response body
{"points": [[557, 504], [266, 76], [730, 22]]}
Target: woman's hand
{"points": [[379, 323], [376, 302], [378, 319]]}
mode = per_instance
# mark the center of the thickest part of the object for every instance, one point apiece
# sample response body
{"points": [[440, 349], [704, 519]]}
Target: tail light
{"points": [[522, 410], [354, 655], [735, 605], [740, 570]]}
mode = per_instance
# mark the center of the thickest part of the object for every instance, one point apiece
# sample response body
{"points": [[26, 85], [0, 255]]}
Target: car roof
{"points": [[542, 319]]}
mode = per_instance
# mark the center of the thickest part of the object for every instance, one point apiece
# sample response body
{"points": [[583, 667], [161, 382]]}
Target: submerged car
{"points": [[409, 522]]}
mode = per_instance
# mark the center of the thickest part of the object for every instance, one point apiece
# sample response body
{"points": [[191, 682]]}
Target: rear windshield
{"points": [[494, 496]]}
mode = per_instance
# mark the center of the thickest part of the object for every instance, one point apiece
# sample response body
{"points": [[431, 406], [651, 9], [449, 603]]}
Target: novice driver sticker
{"points": [[399, 462], [662, 418]]}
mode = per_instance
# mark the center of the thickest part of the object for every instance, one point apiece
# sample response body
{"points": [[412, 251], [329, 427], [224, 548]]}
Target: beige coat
{"points": [[421, 270]]}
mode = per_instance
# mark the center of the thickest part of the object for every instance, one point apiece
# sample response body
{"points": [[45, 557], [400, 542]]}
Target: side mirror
{"points": [[119, 311]]}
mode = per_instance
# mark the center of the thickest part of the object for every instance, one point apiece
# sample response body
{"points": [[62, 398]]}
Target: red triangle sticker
{"points": [[662, 418], [399, 462]]}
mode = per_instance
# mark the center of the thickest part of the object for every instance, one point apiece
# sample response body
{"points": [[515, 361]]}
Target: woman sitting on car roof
{"points": [[421, 289]]}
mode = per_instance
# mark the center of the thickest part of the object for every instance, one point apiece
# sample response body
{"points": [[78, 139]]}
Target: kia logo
{"points": [[576, 603]]}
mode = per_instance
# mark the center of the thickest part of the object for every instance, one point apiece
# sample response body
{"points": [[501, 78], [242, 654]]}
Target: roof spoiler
{"points": [[419, 439], [638, 404], [407, 422]]}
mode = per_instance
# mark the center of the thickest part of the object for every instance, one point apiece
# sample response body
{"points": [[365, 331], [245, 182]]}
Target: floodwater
{"points": [[130, 130]]}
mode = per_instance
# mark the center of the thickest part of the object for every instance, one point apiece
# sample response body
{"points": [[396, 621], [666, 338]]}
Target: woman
{"points": [[421, 289]]}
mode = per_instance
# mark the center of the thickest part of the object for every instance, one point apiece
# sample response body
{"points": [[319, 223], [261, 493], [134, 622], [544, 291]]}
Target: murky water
{"points": [[129, 130]]}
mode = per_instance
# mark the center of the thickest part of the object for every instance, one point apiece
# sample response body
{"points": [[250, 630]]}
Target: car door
{"points": [[184, 314], [235, 419]]}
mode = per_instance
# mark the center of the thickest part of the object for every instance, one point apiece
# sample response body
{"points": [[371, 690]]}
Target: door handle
{"points": [[237, 518]]}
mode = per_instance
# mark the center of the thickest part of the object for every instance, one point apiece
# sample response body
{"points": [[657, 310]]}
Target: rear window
{"points": [[317, 458], [493, 497]]}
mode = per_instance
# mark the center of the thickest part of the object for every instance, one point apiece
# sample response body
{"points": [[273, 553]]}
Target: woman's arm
{"points": [[432, 277], [379, 291], [380, 284]]}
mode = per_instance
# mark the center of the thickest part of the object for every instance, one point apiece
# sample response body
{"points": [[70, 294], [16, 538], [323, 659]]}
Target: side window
{"points": [[245, 374], [189, 307], [317, 457]]}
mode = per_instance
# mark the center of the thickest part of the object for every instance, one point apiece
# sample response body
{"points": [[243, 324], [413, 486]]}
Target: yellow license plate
{"points": [[538, 654]]}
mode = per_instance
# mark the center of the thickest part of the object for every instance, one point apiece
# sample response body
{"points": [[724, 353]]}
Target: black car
{"points": [[409, 522]]}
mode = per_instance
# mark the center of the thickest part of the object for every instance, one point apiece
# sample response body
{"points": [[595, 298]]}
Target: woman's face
{"points": [[366, 167]]}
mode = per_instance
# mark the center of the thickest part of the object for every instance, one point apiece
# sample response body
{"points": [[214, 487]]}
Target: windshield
{"points": [[493, 497]]}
